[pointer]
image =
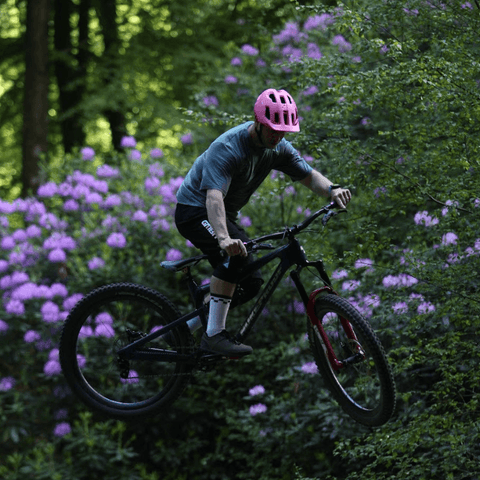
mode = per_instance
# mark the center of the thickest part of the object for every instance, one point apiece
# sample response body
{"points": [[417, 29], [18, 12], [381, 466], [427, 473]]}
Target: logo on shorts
{"points": [[209, 228]]}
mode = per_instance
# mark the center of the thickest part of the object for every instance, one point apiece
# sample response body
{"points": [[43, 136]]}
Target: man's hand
{"points": [[341, 196], [233, 246]]}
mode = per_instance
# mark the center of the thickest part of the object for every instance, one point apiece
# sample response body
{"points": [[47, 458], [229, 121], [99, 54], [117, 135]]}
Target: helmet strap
{"points": [[258, 131]]}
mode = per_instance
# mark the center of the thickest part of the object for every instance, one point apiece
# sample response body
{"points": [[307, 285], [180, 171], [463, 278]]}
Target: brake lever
{"points": [[331, 214]]}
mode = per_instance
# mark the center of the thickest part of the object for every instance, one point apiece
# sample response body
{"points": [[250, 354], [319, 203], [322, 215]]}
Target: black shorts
{"points": [[193, 224]]}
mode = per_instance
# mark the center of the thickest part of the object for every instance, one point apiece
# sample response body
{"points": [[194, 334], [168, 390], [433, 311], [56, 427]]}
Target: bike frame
{"points": [[290, 255]]}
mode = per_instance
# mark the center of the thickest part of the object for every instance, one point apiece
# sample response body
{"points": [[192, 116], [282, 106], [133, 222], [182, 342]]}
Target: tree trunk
{"points": [[107, 13], [68, 73], [35, 103]]}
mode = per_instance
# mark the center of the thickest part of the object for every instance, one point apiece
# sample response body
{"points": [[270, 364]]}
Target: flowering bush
{"points": [[97, 224]]}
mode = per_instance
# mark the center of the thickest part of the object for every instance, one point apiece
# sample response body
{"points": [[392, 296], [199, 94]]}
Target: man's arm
{"points": [[320, 185], [218, 220]]}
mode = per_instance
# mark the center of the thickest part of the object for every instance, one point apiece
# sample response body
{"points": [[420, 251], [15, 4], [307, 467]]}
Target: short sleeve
{"points": [[217, 168], [291, 162]]}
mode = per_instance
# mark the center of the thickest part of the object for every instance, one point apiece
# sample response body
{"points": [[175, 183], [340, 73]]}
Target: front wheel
{"points": [[360, 377], [103, 322]]}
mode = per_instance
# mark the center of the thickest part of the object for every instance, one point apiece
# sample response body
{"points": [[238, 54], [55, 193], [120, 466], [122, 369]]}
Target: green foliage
{"points": [[393, 116]]}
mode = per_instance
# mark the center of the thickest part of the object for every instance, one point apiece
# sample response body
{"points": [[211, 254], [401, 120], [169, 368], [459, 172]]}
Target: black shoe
{"points": [[224, 344]]}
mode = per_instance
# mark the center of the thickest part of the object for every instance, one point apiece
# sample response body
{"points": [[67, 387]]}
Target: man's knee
{"points": [[246, 290]]}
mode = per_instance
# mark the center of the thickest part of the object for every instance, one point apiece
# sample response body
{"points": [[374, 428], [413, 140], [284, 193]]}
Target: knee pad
{"points": [[246, 290]]}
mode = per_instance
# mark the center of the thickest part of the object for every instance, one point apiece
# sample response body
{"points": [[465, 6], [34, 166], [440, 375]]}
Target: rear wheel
{"points": [[361, 381], [106, 320]]}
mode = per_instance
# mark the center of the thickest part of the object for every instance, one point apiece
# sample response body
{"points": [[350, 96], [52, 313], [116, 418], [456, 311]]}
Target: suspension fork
{"points": [[335, 363]]}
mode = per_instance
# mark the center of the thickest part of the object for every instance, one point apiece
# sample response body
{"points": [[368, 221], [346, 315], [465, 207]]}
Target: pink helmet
{"points": [[277, 109]]}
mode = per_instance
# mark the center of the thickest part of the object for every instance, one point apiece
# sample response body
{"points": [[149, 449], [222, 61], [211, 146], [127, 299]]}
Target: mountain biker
{"points": [[220, 183]]}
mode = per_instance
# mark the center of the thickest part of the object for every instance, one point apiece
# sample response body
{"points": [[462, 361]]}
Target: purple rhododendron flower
{"points": [[33, 231], [230, 79], [173, 255], [112, 201], [116, 240], [52, 367], [309, 367], [135, 155], [31, 336], [343, 45], [187, 139], [400, 307], [128, 142], [449, 239], [57, 255], [104, 317], [350, 285], [257, 408], [132, 377], [257, 390], [71, 205], [425, 219], [245, 221], [70, 302], [15, 307], [62, 429], [47, 190], [364, 262], [250, 50], [236, 61], [7, 243], [7, 383], [152, 185], [291, 32], [95, 263], [156, 153], [313, 51], [106, 171], [3, 326], [339, 274], [425, 307], [156, 170], [3, 266], [211, 101], [402, 280], [58, 290], [93, 197], [104, 330], [87, 153], [318, 21], [50, 312], [140, 216]]}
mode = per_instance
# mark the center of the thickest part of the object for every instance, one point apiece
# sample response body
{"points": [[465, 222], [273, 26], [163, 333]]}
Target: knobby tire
{"points": [[102, 323], [365, 390]]}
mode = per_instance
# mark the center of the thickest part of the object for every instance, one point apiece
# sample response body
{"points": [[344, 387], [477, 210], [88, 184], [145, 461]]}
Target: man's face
{"points": [[270, 137]]}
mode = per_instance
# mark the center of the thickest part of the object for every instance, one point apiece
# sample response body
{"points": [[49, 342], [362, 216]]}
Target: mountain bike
{"points": [[126, 350]]}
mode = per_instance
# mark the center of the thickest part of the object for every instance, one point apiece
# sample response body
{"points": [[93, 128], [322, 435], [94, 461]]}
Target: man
{"points": [[220, 183]]}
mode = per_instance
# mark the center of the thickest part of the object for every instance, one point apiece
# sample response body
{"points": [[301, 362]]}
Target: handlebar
{"points": [[328, 211]]}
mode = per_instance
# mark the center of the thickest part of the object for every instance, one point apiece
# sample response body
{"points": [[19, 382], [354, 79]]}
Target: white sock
{"points": [[217, 317], [194, 324]]}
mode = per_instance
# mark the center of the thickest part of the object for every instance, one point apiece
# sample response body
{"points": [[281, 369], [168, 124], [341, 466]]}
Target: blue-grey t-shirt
{"points": [[233, 165]]}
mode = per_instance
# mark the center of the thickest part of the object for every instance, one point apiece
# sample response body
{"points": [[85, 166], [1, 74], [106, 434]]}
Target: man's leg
{"points": [[216, 339], [221, 293]]}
